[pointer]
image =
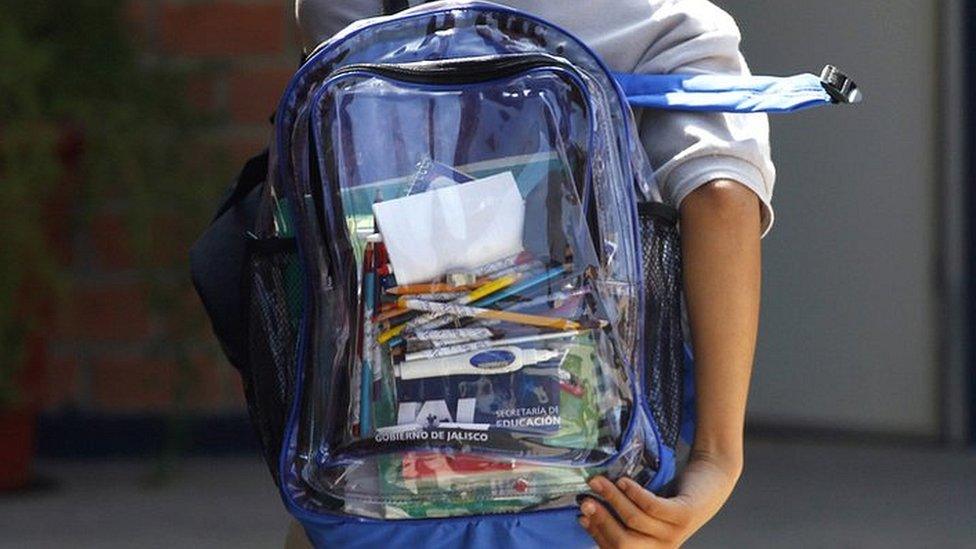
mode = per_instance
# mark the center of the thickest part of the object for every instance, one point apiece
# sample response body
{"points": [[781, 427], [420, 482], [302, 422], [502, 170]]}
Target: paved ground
{"points": [[807, 495], [209, 503], [792, 495]]}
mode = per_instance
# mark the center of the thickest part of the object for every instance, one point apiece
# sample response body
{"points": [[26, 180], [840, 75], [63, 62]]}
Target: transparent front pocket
{"points": [[476, 335]]}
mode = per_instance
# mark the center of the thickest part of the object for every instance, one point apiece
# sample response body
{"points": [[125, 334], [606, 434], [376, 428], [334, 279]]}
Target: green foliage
{"points": [[72, 67]]}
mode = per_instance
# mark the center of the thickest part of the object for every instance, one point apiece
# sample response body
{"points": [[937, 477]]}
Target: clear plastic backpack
{"points": [[456, 292]]}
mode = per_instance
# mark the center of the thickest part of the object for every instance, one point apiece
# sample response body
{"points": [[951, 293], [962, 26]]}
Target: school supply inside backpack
{"points": [[461, 292]]}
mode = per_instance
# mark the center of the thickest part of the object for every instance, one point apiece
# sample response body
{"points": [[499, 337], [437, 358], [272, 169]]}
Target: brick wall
{"points": [[110, 354]]}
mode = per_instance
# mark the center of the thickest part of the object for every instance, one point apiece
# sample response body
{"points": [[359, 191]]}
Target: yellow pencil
{"points": [[391, 333], [487, 289]]}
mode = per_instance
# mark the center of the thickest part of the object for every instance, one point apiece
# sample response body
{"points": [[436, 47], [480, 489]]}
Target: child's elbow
{"points": [[724, 199]]}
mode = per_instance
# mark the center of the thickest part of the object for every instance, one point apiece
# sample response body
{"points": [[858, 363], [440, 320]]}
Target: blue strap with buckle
{"points": [[742, 94]]}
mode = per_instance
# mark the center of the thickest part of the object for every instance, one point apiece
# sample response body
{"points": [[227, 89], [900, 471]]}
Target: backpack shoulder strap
{"points": [[742, 94], [219, 256], [253, 173]]}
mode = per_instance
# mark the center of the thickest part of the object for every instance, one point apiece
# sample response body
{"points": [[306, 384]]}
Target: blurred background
{"points": [[122, 122]]}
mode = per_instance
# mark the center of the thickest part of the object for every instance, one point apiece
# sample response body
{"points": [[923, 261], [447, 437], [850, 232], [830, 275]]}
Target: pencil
{"points": [[487, 289], [491, 314], [525, 285], [437, 287], [394, 311], [391, 333], [433, 320]]}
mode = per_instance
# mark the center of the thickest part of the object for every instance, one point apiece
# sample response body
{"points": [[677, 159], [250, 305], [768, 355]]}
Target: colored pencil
{"points": [[433, 320], [491, 314], [524, 285]]}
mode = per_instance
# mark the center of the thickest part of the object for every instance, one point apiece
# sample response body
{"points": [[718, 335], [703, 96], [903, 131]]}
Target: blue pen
{"points": [[522, 286], [366, 381]]}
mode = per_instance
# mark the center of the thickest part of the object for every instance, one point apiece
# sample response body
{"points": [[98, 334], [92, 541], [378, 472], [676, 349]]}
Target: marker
{"points": [[499, 360], [491, 314], [383, 257], [487, 344]]}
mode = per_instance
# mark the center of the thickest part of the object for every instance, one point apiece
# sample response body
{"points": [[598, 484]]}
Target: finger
{"points": [[600, 524], [601, 541], [631, 515], [666, 509]]}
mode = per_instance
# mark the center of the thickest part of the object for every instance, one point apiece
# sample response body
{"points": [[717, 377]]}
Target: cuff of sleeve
{"points": [[695, 172]]}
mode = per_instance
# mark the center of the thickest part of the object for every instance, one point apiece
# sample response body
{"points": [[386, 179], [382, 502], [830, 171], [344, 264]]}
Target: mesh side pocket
{"points": [[274, 305], [663, 336]]}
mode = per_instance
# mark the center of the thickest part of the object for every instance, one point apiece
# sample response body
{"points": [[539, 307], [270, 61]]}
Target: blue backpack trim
{"points": [[739, 94]]}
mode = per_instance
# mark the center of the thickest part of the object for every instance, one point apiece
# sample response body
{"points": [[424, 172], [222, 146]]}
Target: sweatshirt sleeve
{"points": [[689, 149]]}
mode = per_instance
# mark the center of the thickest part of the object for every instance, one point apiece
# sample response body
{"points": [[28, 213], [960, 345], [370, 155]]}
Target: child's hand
{"points": [[653, 521]]}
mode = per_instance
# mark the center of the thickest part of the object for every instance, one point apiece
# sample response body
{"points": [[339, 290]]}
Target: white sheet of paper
{"points": [[461, 226]]}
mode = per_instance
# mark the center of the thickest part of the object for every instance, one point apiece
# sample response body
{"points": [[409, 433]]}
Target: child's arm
{"points": [[720, 226], [717, 168]]}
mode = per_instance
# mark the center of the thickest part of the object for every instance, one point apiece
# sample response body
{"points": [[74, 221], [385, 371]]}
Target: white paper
{"points": [[461, 226]]}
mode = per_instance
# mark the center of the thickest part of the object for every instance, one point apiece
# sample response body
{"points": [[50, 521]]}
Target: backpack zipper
{"points": [[461, 70]]}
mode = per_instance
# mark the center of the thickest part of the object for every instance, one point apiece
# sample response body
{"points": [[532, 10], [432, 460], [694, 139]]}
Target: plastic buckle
{"points": [[839, 86]]}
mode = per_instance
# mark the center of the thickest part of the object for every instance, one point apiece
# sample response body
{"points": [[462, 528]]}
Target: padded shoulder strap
{"points": [[745, 94], [254, 172]]}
